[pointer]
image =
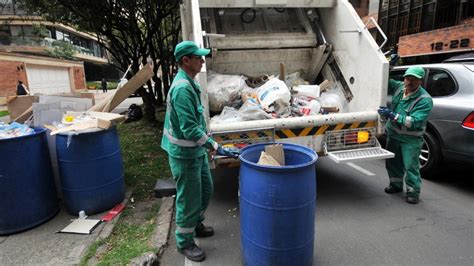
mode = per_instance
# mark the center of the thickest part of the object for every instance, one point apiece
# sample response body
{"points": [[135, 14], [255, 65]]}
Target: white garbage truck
{"points": [[321, 40]]}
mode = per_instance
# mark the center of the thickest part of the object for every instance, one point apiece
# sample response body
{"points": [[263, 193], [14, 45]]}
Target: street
{"points": [[357, 223]]}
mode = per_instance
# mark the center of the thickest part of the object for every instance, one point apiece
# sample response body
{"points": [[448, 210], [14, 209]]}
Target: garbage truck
{"points": [[323, 40]]}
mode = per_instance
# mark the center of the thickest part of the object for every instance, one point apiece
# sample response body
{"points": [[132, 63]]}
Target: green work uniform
{"points": [[405, 136], [186, 141]]}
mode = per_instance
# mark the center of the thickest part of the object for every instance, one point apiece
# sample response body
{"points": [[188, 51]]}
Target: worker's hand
{"points": [[227, 153], [386, 112]]}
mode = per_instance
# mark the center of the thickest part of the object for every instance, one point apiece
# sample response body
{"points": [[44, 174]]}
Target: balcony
{"points": [[40, 45]]}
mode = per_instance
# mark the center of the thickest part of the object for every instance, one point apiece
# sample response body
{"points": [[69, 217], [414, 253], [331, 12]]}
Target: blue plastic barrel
{"points": [[27, 191], [277, 207], [91, 171]]}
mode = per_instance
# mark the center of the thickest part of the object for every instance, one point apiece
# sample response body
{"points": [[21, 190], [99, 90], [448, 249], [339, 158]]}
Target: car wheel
{"points": [[430, 156]]}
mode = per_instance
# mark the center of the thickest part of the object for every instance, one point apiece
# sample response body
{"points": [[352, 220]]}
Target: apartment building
{"points": [[29, 46], [422, 31]]}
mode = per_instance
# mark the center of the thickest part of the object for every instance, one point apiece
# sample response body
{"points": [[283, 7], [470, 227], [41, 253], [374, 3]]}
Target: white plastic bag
{"points": [[271, 91], [307, 90], [304, 106], [251, 110], [228, 115], [333, 98], [224, 90]]}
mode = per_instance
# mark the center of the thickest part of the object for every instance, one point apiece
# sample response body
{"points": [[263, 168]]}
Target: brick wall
{"points": [[453, 39], [10, 73], [79, 78]]}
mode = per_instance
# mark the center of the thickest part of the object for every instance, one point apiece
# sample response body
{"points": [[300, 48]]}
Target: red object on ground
{"points": [[113, 212]]}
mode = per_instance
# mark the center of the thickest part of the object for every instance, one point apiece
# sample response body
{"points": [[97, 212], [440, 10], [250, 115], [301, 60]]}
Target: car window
{"points": [[396, 74], [440, 83]]}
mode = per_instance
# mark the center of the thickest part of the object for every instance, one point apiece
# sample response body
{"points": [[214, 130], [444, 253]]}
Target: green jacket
{"points": [[184, 132], [412, 111]]}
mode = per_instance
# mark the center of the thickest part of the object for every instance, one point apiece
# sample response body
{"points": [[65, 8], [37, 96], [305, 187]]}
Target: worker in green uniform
{"points": [[186, 141], [406, 124]]}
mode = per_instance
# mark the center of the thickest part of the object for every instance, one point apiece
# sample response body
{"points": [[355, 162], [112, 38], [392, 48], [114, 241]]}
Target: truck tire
{"points": [[430, 157]]}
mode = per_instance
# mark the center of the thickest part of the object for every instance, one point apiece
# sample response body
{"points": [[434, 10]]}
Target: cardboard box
{"points": [[100, 120]]}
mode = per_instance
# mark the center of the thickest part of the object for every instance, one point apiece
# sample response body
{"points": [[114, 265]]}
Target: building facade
{"points": [[29, 50], [421, 31], [427, 31]]}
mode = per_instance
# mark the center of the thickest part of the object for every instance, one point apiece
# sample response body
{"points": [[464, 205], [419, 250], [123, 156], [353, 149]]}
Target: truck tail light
{"points": [[469, 121], [356, 137]]}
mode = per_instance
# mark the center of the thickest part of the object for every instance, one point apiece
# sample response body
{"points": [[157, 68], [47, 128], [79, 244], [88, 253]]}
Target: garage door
{"points": [[48, 80]]}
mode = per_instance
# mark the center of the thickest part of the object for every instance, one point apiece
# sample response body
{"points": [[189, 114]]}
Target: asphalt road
{"points": [[357, 223]]}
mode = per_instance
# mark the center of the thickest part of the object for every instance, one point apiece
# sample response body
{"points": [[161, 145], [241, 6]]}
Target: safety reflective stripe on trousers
{"points": [[396, 179], [167, 132], [185, 230]]}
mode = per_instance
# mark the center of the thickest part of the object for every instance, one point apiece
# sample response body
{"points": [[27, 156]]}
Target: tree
{"points": [[131, 31]]}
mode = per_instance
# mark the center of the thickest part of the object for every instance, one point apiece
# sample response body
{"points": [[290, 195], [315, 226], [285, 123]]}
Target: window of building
{"points": [[415, 21], [59, 35], [440, 83], [403, 25], [5, 38], [446, 13]]}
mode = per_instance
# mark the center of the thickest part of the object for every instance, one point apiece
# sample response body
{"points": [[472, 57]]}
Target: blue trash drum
{"points": [[277, 207], [91, 171], [27, 190]]}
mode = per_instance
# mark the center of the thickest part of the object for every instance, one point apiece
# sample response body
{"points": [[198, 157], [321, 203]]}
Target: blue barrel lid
{"points": [[286, 146]]}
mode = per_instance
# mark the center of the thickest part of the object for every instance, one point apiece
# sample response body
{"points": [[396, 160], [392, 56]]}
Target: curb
{"points": [[160, 236]]}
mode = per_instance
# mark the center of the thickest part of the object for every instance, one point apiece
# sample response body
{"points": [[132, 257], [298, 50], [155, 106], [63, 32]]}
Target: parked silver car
{"points": [[450, 131]]}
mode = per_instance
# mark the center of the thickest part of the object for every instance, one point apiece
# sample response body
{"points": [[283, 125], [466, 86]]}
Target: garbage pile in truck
{"points": [[236, 98]]}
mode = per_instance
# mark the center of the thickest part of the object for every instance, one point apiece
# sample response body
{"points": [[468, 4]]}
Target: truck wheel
{"points": [[430, 156]]}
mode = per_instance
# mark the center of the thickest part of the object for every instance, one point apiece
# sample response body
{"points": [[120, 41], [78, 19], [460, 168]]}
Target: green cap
{"points": [[189, 48], [415, 71]]}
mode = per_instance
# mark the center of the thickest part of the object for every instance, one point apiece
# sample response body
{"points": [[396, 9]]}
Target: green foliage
{"points": [[131, 31], [62, 49], [127, 242], [4, 113], [40, 30], [111, 85]]}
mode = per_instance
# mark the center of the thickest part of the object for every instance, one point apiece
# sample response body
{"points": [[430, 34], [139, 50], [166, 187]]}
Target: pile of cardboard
{"points": [[50, 110]]}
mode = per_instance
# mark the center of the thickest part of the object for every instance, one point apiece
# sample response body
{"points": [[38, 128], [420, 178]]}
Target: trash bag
{"points": [[134, 113], [224, 90]]}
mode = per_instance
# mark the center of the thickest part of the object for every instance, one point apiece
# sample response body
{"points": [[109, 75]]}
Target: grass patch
{"points": [[144, 162], [111, 85], [129, 240], [4, 113]]}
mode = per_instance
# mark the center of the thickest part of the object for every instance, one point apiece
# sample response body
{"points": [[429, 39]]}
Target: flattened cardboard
{"points": [[277, 152], [266, 159], [81, 226], [122, 93], [102, 120], [17, 105]]}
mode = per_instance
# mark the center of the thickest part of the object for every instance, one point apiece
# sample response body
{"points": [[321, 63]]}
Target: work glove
{"points": [[227, 153], [387, 113]]}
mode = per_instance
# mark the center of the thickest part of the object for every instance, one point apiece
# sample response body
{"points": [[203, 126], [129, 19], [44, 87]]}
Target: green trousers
{"points": [[405, 164], [193, 192]]}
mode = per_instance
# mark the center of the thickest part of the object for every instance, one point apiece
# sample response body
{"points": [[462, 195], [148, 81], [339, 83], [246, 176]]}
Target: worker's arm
{"points": [[394, 86], [184, 102], [418, 115]]}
